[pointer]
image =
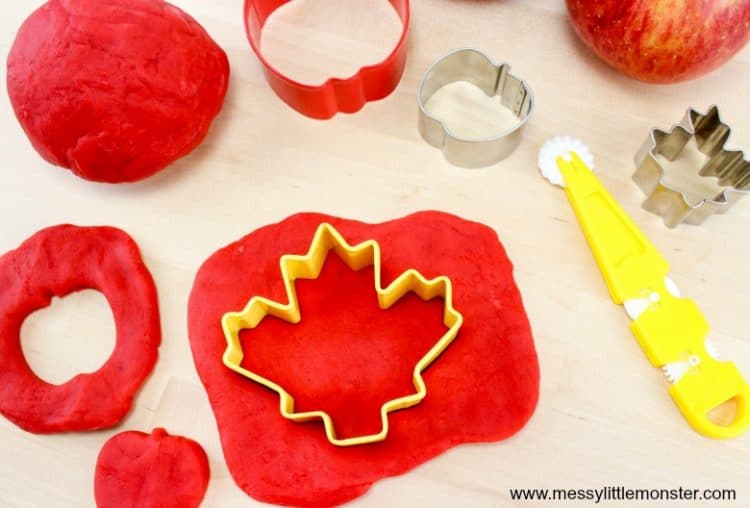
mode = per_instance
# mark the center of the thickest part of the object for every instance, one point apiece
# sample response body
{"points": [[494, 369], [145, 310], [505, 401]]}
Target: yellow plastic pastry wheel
{"points": [[670, 329]]}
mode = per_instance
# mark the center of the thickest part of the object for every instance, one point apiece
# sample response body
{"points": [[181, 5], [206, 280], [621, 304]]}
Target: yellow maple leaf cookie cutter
{"points": [[308, 266]]}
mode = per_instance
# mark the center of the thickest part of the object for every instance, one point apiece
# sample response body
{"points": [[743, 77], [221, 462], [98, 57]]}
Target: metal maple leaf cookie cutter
{"points": [[729, 166], [473, 66], [308, 266]]}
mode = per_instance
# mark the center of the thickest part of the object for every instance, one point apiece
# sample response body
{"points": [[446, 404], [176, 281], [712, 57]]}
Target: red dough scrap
{"points": [[115, 90], [135, 469], [56, 262], [347, 357]]}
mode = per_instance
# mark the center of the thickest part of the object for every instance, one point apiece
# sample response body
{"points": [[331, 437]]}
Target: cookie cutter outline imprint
{"points": [[474, 66], [729, 166], [308, 266], [346, 95]]}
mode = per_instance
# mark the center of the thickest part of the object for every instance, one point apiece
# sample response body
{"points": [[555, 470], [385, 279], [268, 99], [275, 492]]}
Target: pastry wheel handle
{"points": [[671, 330], [713, 384], [628, 260]]}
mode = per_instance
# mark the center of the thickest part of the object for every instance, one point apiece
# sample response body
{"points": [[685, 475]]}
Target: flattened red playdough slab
{"points": [[58, 261], [348, 357], [135, 469]]}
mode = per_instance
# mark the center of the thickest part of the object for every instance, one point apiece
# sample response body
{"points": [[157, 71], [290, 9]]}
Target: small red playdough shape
{"points": [[115, 90], [58, 261], [150, 471], [347, 357]]}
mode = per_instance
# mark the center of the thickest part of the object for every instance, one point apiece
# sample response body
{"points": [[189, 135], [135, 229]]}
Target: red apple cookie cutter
{"points": [[58, 261], [370, 83]]}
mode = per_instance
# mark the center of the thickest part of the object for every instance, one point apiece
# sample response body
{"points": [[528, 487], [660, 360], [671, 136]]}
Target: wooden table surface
{"points": [[604, 417]]}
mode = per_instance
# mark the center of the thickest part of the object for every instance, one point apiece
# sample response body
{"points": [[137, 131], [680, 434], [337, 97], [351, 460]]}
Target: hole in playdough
{"points": [[469, 113], [313, 40], [724, 414], [683, 175], [75, 334], [347, 357]]}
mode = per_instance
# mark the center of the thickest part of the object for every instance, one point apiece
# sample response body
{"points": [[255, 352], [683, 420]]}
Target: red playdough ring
{"points": [[58, 261], [115, 90], [154, 470], [370, 83]]}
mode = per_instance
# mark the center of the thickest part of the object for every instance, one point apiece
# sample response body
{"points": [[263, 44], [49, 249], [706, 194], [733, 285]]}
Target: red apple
{"points": [[662, 41]]}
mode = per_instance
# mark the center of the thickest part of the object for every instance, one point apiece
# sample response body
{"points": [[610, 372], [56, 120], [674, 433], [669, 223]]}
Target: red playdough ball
{"points": [[115, 90], [150, 471]]}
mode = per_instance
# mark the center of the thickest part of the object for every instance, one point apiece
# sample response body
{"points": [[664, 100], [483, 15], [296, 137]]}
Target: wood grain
{"points": [[604, 417]]}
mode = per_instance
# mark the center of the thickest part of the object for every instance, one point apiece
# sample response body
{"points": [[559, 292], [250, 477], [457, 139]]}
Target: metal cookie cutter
{"points": [[475, 67], [348, 95], [729, 166], [308, 266]]}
